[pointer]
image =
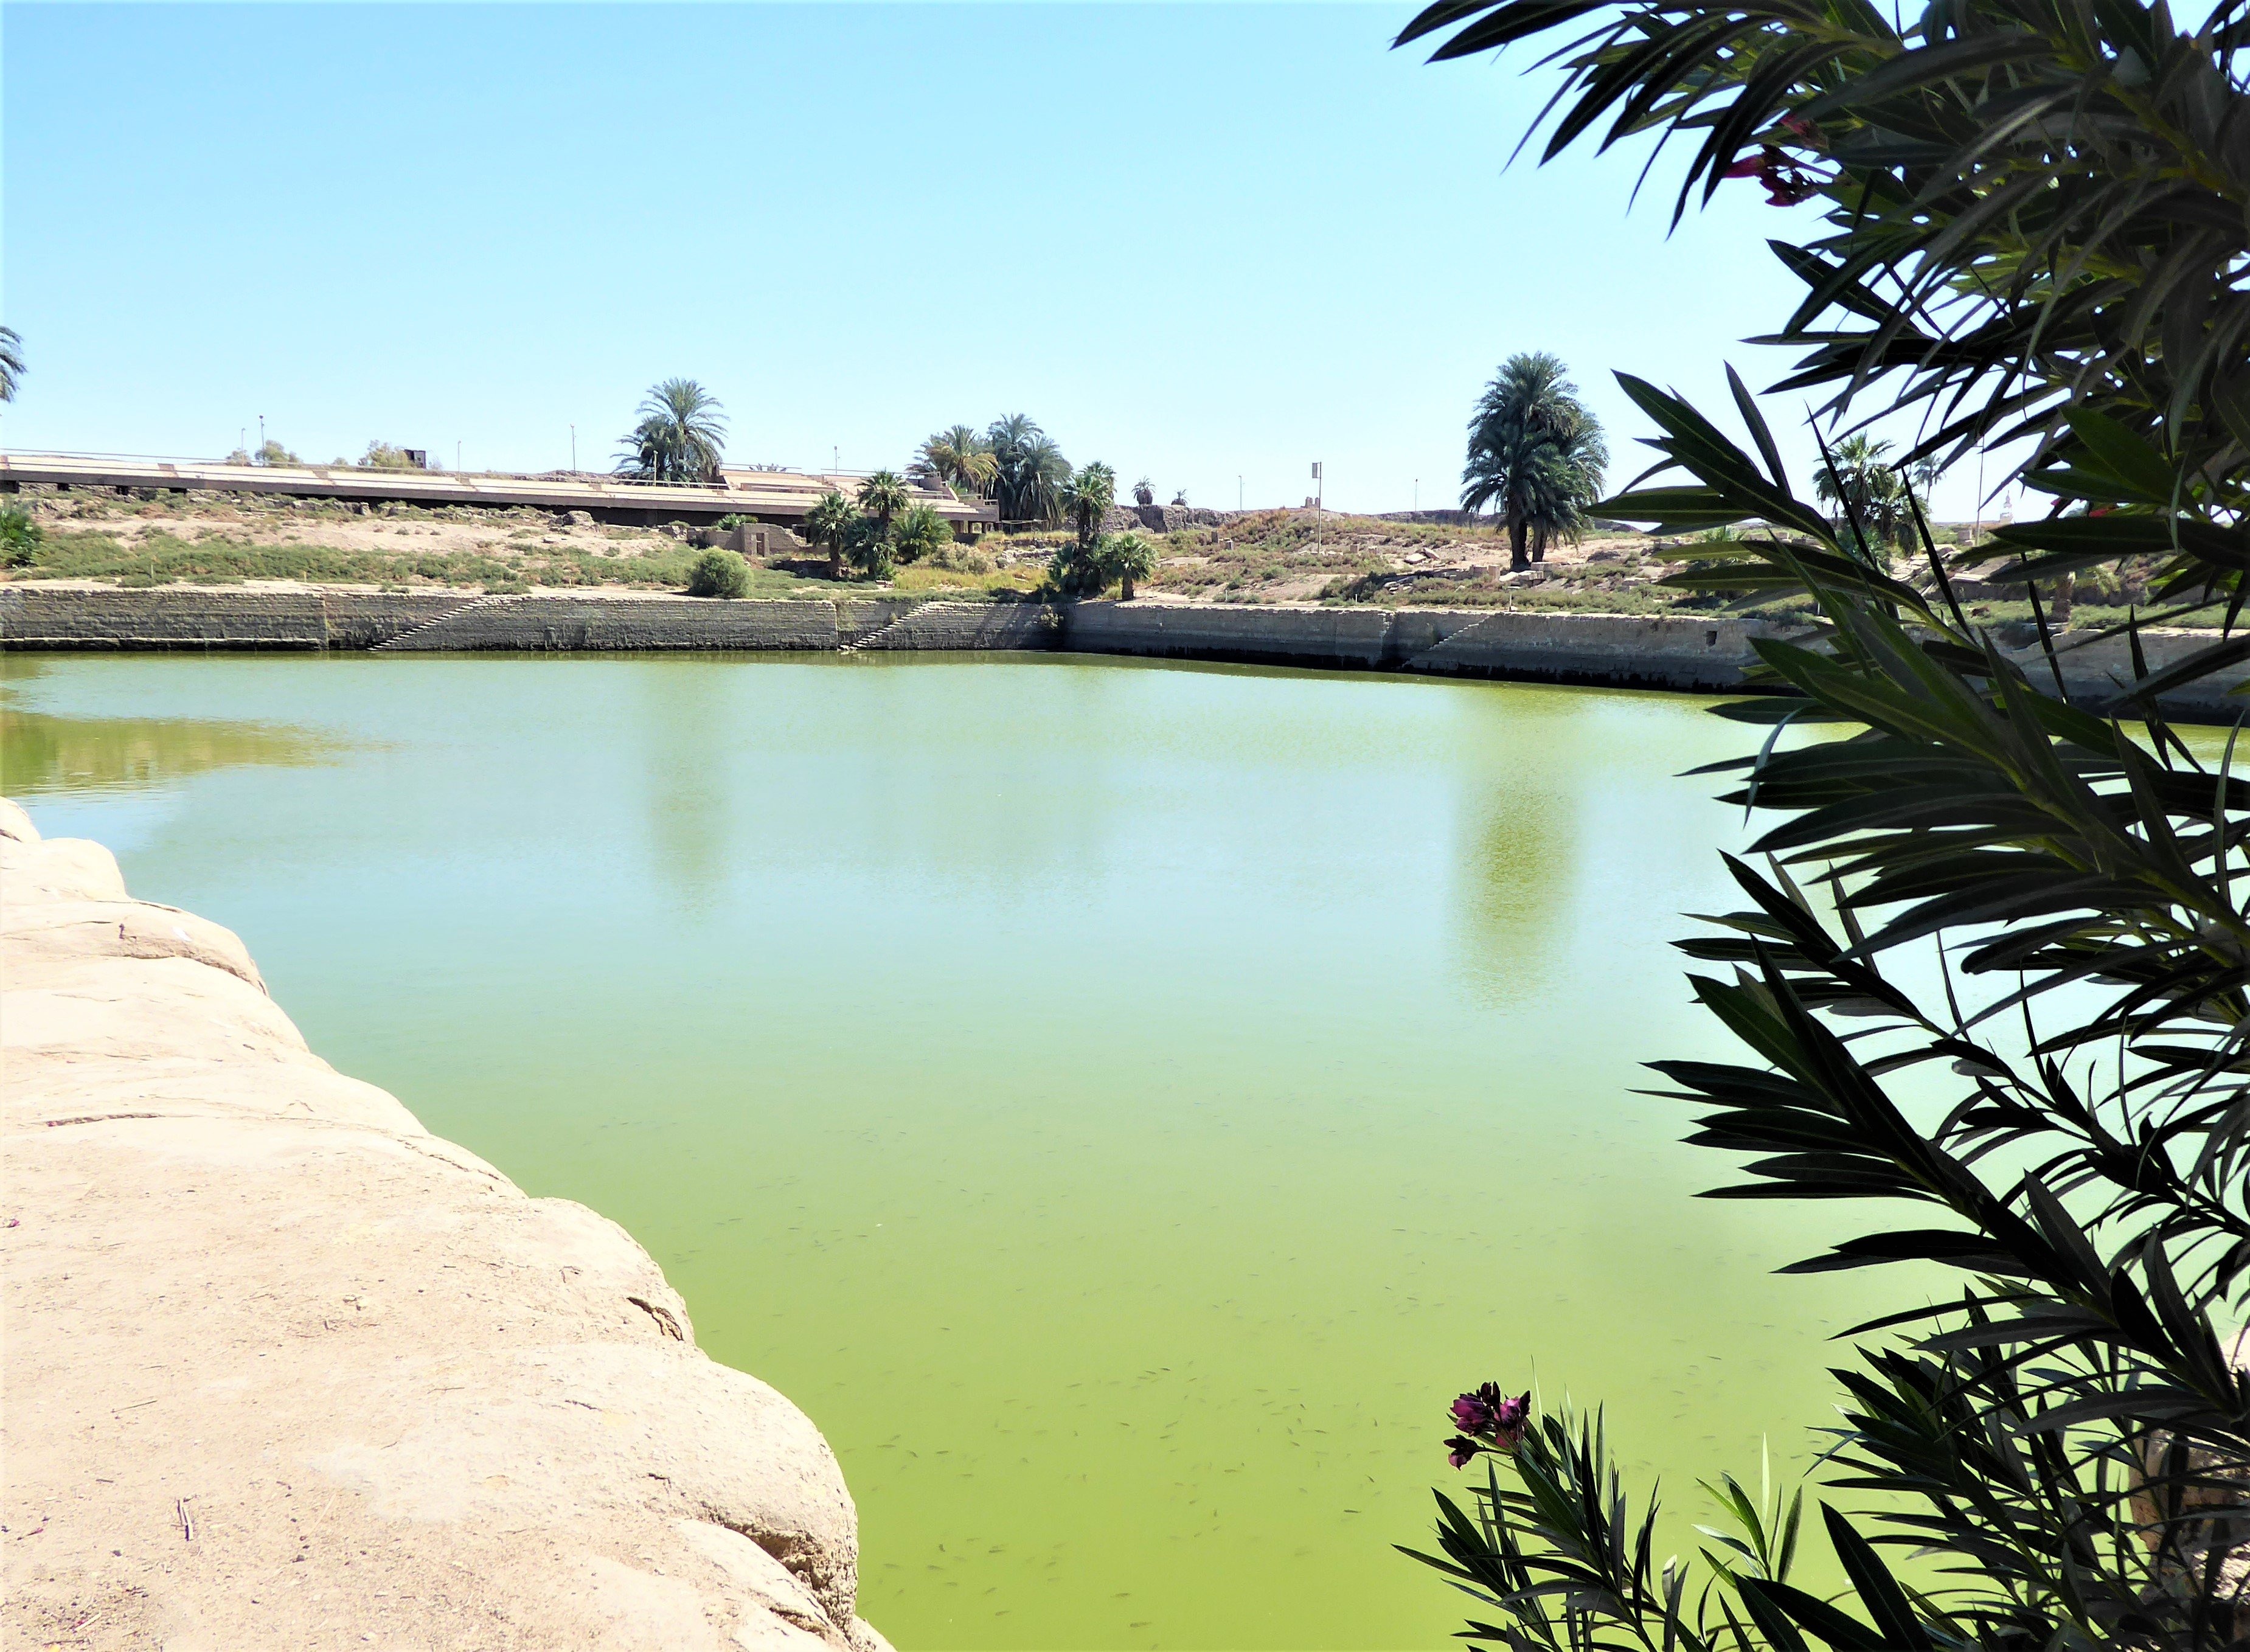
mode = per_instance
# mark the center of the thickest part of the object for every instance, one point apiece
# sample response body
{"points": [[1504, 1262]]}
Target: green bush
{"points": [[718, 573], [19, 537]]}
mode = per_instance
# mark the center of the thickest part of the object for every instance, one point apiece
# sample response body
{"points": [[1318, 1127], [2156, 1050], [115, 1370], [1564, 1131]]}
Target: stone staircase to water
{"points": [[405, 639]]}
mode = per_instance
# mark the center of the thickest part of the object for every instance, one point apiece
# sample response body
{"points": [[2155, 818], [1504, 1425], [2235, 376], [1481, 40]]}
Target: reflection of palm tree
{"points": [[680, 437], [961, 459], [1534, 453], [11, 363]]}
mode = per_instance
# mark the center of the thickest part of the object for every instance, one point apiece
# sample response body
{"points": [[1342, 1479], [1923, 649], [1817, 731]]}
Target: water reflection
{"points": [[1515, 868], [1517, 832], [686, 756], [43, 755]]}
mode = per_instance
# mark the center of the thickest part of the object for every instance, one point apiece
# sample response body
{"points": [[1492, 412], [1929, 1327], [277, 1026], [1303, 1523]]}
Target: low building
{"points": [[776, 496]]}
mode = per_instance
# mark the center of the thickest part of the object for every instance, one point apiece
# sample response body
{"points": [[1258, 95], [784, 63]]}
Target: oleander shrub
{"points": [[1987, 978], [718, 573]]}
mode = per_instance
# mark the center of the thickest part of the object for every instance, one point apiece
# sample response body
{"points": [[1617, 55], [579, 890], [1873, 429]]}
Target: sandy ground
{"points": [[1396, 562]]}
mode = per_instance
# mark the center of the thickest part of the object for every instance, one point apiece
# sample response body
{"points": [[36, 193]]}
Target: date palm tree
{"points": [[1086, 497], [961, 459], [1568, 484], [1030, 470], [883, 496], [827, 523], [679, 438], [1531, 447], [1865, 495], [11, 363]]}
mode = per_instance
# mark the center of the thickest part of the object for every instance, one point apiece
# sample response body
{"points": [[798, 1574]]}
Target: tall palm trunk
{"points": [[1517, 562], [1125, 588], [836, 559]]}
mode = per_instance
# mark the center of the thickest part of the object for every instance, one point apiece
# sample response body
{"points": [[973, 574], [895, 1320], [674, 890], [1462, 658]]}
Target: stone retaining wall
{"points": [[545, 623], [1709, 654]]}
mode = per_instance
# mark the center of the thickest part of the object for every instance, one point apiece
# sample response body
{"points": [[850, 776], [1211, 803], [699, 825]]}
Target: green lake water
{"points": [[1120, 1103]]}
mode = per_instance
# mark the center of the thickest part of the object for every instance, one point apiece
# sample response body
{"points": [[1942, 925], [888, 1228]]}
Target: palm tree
{"points": [[1128, 557], [11, 363], [827, 522], [1041, 477], [883, 496], [961, 459], [1530, 444], [1567, 483], [921, 532], [1029, 471], [1010, 432], [1866, 496], [679, 438], [1087, 497]]}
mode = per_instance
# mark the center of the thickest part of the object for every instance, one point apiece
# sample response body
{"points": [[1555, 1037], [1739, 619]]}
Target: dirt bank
{"points": [[285, 1370]]}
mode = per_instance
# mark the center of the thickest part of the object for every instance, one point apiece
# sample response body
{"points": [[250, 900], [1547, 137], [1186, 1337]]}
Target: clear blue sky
{"points": [[1197, 241]]}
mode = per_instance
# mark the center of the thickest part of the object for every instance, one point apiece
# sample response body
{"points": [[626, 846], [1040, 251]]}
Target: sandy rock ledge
{"points": [[284, 1370]]}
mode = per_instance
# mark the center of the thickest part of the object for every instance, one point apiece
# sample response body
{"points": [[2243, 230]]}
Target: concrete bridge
{"points": [[768, 495]]}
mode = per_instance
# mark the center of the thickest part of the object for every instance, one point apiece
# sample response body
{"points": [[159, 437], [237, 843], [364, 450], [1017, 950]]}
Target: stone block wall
{"points": [[544, 623], [367, 619], [1691, 652], [1331, 637], [970, 625], [1659, 652], [46, 617]]}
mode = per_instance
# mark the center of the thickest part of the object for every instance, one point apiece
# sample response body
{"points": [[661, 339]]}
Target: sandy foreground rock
{"points": [[284, 1370]]}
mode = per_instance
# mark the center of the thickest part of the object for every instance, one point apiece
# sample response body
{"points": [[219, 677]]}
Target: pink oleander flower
{"points": [[1488, 1420], [1786, 182]]}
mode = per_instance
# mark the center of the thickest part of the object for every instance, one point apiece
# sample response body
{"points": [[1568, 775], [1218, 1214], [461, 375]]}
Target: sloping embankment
{"points": [[284, 1371], [1695, 651]]}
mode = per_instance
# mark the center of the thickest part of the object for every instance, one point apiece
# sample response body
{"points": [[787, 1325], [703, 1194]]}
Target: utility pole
{"points": [[457, 456], [1320, 495], [261, 432], [1979, 529]]}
